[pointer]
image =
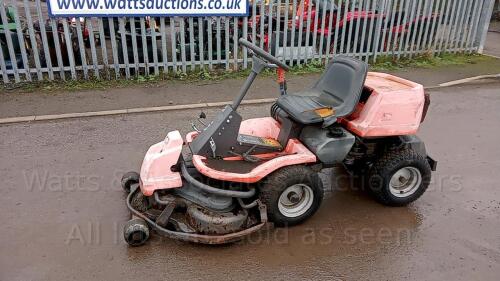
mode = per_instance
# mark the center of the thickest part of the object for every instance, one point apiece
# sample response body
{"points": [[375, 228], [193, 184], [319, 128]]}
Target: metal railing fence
{"points": [[36, 47]]}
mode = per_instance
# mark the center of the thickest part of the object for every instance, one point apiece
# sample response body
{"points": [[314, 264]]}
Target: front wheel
{"points": [[399, 177], [292, 195], [136, 232]]}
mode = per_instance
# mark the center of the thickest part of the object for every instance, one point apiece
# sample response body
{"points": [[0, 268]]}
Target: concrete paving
{"points": [[492, 45], [62, 208]]}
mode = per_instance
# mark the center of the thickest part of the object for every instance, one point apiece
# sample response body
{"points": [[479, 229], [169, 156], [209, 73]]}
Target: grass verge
{"points": [[316, 66]]}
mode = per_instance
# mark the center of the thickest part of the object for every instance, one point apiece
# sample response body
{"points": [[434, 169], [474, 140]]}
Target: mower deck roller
{"points": [[225, 181], [191, 236]]}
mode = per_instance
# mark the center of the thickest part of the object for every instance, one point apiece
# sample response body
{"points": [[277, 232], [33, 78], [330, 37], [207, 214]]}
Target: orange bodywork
{"points": [[393, 108], [155, 170], [294, 153]]}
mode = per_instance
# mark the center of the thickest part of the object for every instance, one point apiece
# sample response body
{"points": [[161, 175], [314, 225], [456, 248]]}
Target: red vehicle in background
{"points": [[344, 15], [351, 20]]}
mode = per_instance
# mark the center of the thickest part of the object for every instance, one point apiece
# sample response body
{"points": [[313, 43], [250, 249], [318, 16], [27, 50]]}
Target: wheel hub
{"points": [[137, 236], [294, 197], [405, 181], [295, 200]]}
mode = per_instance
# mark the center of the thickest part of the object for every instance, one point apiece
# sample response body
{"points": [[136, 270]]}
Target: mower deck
{"points": [[196, 237]]}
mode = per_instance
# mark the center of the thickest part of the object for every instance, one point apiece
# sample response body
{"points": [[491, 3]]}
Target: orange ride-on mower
{"points": [[226, 180]]}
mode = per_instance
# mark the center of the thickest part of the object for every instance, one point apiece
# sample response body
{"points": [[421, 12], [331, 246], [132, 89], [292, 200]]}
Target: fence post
{"points": [[235, 43], [301, 27], [57, 47], [245, 35], [135, 52], [285, 31], [210, 46], [227, 41], [376, 43], [277, 39], [183, 44], [102, 40], [114, 47], [21, 41], [81, 47], [144, 41], [164, 53], [322, 34], [328, 52], [154, 46], [32, 39], [484, 23], [191, 44], [10, 45], [269, 26], [292, 31], [308, 31], [218, 40], [93, 48], [201, 44], [172, 42]]}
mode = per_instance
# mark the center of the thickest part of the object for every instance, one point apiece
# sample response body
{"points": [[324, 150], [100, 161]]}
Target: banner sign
{"points": [[160, 8]]}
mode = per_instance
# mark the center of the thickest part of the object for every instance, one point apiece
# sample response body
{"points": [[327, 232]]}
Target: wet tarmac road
{"points": [[62, 209]]}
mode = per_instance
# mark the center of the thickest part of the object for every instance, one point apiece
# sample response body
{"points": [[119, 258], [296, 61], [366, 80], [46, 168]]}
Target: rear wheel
{"points": [[399, 177], [292, 195]]}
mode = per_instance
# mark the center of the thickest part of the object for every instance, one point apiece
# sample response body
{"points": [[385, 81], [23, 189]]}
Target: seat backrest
{"points": [[341, 84]]}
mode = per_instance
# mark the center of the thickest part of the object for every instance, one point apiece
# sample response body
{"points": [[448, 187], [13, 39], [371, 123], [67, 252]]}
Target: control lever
{"points": [[246, 155], [202, 116], [213, 146], [194, 127]]}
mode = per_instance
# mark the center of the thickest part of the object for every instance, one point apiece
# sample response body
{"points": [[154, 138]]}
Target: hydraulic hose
{"points": [[247, 206], [214, 190]]}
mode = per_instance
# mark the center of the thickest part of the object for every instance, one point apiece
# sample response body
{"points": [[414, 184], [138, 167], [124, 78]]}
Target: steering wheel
{"points": [[263, 54]]}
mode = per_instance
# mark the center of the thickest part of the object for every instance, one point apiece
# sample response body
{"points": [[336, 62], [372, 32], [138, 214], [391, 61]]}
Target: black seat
{"points": [[336, 93]]}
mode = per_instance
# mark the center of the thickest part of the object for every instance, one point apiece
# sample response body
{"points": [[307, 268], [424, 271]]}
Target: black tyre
{"points": [[292, 195], [128, 179], [136, 232], [399, 177]]}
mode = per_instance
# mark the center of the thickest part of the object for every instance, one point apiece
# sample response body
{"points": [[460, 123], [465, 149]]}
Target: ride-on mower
{"points": [[226, 180]]}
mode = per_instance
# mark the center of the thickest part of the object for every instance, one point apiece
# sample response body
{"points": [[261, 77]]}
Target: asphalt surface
{"points": [[62, 209]]}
